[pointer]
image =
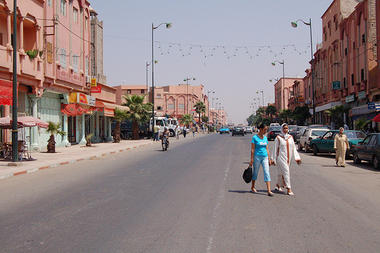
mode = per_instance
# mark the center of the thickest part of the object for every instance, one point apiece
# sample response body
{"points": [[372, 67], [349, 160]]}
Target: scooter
{"points": [[165, 143]]}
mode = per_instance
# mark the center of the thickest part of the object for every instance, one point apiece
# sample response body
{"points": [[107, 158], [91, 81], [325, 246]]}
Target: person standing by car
{"points": [[283, 151], [260, 156], [341, 145]]}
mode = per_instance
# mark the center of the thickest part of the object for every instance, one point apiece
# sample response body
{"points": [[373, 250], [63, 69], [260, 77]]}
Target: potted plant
{"points": [[32, 53], [53, 129], [88, 140]]}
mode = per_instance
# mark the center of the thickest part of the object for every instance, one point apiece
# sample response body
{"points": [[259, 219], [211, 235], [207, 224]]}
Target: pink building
{"points": [[282, 91], [218, 117], [53, 56], [344, 66], [308, 89], [378, 38], [177, 100], [297, 95], [124, 90]]}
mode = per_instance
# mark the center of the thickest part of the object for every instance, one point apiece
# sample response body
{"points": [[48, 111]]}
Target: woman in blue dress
{"points": [[260, 157]]}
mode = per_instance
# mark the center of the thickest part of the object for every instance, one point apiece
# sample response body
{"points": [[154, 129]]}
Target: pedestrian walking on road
{"points": [[156, 129], [283, 151], [184, 131], [341, 145], [260, 157]]}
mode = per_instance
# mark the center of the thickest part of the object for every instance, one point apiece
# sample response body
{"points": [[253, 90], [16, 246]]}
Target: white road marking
{"points": [[216, 210]]}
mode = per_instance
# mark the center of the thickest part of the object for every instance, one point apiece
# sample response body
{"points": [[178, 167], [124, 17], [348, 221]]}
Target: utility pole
{"points": [[14, 98]]}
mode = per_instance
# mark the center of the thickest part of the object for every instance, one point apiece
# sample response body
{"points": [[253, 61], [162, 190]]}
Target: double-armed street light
{"points": [[187, 79], [262, 94], [167, 25], [295, 25], [147, 64]]}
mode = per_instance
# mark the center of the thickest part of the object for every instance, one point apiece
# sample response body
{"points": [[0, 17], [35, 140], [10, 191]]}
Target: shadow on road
{"points": [[259, 192]]}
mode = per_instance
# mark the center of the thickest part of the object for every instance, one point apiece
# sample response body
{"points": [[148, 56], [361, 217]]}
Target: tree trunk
{"points": [[51, 144], [135, 130], [116, 133]]}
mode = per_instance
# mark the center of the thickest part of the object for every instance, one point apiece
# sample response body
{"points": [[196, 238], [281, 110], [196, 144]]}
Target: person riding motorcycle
{"points": [[165, 133]]}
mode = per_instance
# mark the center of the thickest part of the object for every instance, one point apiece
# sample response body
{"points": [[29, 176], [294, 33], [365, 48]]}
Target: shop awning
{"points": [[73, 109], [5, 92]]}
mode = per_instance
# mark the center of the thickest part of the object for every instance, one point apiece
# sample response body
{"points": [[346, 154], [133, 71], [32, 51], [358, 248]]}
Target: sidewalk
{"points": [[71, 155]]}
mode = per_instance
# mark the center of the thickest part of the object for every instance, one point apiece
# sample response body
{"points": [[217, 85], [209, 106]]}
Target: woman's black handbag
{"points": [[247, 175]]}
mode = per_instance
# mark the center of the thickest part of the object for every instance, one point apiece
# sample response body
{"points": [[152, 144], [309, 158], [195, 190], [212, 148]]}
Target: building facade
{"points": [[297, 95], [53, 67], [125, 90], [283, 92], [344, 66]]}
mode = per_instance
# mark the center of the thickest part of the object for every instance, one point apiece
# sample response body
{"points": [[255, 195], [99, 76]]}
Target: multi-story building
{"points": [[283, 92], [177, 100], [297, 95], [218, 117], [378, 38], [53, 59], [125, 90], [308, 89], [344, 65]]}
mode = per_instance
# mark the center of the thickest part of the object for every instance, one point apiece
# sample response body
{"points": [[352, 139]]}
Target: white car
{"points": [[274, 124], [248, 130], [308, 135]]}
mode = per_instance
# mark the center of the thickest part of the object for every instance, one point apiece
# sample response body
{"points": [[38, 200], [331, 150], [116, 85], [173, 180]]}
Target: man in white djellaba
{"points": [[283, 151]]}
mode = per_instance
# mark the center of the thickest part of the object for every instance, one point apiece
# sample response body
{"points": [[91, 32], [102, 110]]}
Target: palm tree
{"points": [[53, 129], [200, 108], [361, 124], [336, 114], [139, 112], [285, 115], [187, 119], [270, 111], [204, 119], [119, 117]]}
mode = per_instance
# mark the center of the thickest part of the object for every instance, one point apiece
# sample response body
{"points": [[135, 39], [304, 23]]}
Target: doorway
{"points": [[72, 129]]}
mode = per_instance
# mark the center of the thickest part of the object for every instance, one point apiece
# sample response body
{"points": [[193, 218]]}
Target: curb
{"points": [[93, 157], [101, 155]]}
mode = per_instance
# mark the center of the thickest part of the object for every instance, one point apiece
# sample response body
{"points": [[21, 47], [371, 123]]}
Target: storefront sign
{"points": [[97, 89], [81, 99], [93, 82], [362, 95], [336, 85], [5, 92], [350, 98], [371, 106]]}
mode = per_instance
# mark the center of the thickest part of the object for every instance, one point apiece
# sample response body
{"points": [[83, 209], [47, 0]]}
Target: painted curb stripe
{"points": [[19, 173]]}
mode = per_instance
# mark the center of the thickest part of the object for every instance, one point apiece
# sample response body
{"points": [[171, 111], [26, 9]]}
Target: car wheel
{"points": [[356, 159], [375, 162], [315, 150]]}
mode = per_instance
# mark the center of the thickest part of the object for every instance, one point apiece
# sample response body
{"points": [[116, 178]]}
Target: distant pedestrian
{"points": [[341, 145], [156, 129], [283, 151], [184, 131], [260, 157], [177, 132], [193, 129]]}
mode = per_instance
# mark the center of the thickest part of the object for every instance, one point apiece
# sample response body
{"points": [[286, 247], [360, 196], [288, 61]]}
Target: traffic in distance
{"points": [[319, 139]]}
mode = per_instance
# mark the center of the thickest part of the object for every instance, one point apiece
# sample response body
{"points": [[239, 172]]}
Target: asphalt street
{"points": [[190, 199]]}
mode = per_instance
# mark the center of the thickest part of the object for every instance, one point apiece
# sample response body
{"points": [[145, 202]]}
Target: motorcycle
{"points": [[165, 143]]}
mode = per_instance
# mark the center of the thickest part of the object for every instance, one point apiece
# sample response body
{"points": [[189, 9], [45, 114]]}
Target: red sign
{"points": [[5, 92], [96, 89]]}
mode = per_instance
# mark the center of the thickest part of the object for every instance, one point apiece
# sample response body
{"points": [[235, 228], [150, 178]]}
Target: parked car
{"points": [[238, 131], [368, 150], [248, 130], [325, 143], [293, 129], [273, 131], [224, 130], [310, 134], [300, 132], [274, 124]]}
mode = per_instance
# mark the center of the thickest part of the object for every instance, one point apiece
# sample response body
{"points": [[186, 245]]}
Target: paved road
{"points": [[189, 199]]}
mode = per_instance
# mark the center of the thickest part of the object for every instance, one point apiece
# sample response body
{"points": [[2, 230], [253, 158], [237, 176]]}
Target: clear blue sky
{"points": [[212, 40]]}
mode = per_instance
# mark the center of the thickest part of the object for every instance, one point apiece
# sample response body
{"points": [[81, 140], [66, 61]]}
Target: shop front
{"points": [[78, 108], [365, 112]]}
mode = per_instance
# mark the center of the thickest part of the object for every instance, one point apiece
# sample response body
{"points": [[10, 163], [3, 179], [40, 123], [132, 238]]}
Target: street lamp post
{"points": [[208, 106], [283, 79], [147, 64], [14, 98], [262, 94], [168, 25], [187, 79], [295, 25]]}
